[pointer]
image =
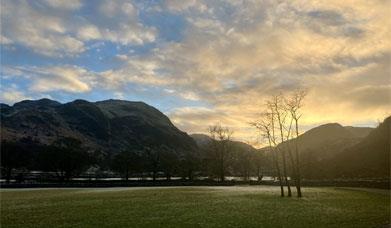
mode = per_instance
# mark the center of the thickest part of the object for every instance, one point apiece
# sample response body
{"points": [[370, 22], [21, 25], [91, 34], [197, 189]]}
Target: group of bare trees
{"points": [[221, 149], [222, 157], [279, 124]]}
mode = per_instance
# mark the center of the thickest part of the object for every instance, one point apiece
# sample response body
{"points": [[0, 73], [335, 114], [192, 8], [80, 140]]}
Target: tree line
{"points": [[67, 158]]}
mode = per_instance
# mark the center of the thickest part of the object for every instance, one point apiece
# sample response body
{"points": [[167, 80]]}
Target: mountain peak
{"points": [[44, 102], [330, 130], [330, 125], [119, 101]]}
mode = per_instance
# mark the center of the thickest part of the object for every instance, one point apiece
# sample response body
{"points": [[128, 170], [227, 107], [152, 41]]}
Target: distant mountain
{"points": [[360, 132], [110, 125], [203, 140], [317, 146], [325, 141], [329, 134], [320, 144], [242, 159], [367, 159]]}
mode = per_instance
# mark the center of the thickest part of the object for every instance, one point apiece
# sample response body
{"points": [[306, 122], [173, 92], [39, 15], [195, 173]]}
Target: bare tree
{"points": [[221, 148], [259, 161], [294, 104], [287, 146], [266, 127], [277, 107]]}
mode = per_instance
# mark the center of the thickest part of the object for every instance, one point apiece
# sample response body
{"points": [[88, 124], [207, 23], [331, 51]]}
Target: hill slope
{"points": [[203, 140], [329, 139], [110, 125], [320, 144], [334, 151], [369, 158]]}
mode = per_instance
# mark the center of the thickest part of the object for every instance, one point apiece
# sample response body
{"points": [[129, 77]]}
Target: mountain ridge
{"points": [[108, 125]]}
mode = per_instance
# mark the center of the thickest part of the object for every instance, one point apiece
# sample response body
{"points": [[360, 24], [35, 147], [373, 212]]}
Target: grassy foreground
{"points": [[193, 207]]}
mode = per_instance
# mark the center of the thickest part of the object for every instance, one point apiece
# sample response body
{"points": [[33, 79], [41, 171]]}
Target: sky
{"points": [[203, 62]]}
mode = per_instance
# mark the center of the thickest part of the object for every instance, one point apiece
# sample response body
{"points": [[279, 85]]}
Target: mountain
{"points": [[360, 132], [319, 145], [203, 140], [328, 134], [110, 125], [241, 159], [367, 159]]}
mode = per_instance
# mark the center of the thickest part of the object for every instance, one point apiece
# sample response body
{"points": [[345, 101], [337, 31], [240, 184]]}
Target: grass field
{"points": [[193, 207]]}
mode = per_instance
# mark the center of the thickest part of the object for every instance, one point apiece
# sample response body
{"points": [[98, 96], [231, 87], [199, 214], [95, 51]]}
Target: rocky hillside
{"points": [[110, 125]]}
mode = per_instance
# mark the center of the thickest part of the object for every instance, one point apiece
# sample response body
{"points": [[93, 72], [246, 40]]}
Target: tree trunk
{"points": [[278, 174], [190, 174], [298, 176], [222, 176], [127, 175], [293, 165], [277, 168], [8, 175], [168, 176], [245, 175], [286, 174], [68, 176], [283, 154], [154, 175]]}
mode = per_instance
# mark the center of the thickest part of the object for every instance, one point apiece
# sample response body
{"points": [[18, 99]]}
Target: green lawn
{"points": [[193, 207]]}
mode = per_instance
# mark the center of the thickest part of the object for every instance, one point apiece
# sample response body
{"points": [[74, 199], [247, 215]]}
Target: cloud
{"points": [[89, 32], [190, 96], [66, 5], [43, 33], [122, 57], [57, 29], [12, 95], [340, 53], [265, 48], [139, 71], [371, 96], [198, 120], [119, 24], [4, 40], [182, 5], [71, 79], [195, 119]]}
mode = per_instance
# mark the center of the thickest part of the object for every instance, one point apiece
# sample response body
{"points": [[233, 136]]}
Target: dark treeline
{"points": [[67, 158]]}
